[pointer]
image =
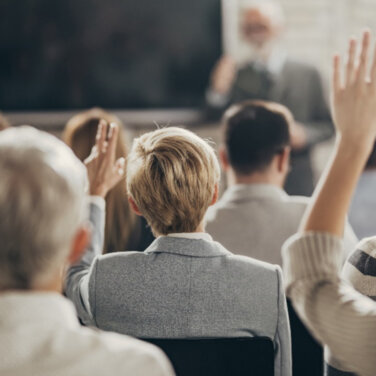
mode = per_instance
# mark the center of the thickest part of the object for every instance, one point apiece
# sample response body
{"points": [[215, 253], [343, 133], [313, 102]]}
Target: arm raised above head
{"points": [[354, 113], [337, 315]]}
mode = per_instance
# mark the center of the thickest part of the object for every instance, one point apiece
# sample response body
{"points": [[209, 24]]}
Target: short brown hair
{"points": [[172, 174]]}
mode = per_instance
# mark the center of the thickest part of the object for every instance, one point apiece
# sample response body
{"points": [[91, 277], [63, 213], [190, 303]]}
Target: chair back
{"points": [[251, 356]]}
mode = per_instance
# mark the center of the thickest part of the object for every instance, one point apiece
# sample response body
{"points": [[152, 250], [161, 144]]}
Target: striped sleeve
{"points": [[335, 313]]}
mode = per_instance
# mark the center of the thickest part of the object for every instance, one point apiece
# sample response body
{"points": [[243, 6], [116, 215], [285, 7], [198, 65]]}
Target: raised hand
{"points": [[298, 135], [103, 169], [223, 75], [354, 96]]}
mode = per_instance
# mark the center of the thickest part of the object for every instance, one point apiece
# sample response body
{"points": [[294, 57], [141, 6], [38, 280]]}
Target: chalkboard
{"points": [[132, 54]]}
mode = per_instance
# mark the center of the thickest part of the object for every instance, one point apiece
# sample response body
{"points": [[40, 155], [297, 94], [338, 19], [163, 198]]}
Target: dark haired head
{"points": [[254, 132]]}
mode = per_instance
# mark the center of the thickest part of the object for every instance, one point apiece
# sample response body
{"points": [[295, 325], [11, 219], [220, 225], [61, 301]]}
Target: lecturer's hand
{"points": [[223, 75], [354, 98], [104, 171], [298, 135]]}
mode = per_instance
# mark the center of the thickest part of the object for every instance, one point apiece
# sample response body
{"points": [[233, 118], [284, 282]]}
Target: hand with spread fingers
{"points": [[354, 96], [354, 113], [104, 171]]}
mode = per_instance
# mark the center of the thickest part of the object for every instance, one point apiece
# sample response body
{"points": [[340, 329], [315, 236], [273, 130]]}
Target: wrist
{"points": [[98, 191], [355, 146], [353, 153]]}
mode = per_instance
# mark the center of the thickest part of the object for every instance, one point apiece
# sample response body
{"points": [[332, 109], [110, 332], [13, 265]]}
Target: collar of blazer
{"points": [[187, 247]]}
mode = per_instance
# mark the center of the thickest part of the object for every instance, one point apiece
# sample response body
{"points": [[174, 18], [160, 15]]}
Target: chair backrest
{"points": [[253, 356]]}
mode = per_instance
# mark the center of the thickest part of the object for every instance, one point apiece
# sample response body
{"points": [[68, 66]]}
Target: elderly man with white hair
{"points": [[42, 229], [272, 75]]}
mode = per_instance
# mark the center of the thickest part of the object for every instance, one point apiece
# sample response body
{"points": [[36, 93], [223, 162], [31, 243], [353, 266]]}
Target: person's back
{"points": [[255, 220], [185, 285], [42, 200], [255, 215], [185, 288]]}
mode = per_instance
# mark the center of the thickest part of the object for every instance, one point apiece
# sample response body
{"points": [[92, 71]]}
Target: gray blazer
{"points": [[180, 288], [255, 220]]}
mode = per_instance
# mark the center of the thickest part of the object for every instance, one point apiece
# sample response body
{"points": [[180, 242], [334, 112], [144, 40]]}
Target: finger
{"points": [[120, 167], [350, 62], [362, 69], [336, 83], [101, 136], [93, 154], [118, 173], [373, 67], [112, 141]]}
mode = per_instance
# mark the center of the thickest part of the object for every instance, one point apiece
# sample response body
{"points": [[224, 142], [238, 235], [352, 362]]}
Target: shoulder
{"points": [[116, 257], [294, 206], [265, 279], [254, 266], [299, 201], [368, 245], [364, 256], [128, 264], [117, 353]]}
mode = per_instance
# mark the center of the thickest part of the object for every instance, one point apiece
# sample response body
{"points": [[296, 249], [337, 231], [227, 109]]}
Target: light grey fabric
{"points": [[255, 219], [181, 288]]}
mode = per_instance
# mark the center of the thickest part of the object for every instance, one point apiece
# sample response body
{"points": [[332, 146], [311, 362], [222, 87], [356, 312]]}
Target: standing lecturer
{"points": [[272, 75]]}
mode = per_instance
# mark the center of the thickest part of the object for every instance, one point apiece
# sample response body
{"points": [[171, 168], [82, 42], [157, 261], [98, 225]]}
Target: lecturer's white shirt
{"points": [[41, 336]]}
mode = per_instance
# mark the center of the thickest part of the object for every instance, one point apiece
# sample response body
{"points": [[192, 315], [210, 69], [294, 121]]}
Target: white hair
{"points": [[270, 8], [42, 204]]}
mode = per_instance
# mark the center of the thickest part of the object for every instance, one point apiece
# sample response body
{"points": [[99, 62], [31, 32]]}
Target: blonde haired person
{"points": [[124, 231], [184, 285]]}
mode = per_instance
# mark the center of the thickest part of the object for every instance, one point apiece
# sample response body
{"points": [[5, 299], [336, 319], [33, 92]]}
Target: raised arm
{"points": [[335, 313], [354, 113], [104, 172]]}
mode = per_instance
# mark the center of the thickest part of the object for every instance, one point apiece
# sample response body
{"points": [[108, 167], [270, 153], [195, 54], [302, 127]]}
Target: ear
{"points": [[79, 244], [223, 158], [283, 163], [215, 194], [134, 206]]}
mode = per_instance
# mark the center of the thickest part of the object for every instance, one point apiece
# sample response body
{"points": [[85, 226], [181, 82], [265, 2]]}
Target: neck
{"points": [[200, 228], [266, 177], [54, 284]]}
